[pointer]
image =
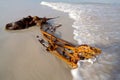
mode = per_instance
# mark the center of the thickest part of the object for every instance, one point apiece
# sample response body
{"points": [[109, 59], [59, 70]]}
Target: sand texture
{"points": [[22, 57]]}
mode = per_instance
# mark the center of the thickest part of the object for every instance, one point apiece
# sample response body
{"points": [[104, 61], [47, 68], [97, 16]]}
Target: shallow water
{"points": [[97, 25], [94, 24]]}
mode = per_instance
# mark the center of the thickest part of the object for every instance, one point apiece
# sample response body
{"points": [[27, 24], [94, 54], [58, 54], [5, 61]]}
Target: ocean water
{"points": [[97, 24]]}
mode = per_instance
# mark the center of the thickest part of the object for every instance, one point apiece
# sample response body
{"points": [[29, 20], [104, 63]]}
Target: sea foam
{"points": [[95, 24], [89, 20]]}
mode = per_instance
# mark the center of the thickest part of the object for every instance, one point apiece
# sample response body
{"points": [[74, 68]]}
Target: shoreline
{"points": [[23, 57]]}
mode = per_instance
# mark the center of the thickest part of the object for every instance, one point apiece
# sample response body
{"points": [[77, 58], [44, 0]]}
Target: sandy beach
{"points": [[22, 57], [92, 22]]}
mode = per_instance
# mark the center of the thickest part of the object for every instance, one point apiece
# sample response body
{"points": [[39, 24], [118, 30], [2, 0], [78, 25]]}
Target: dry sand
{"points": [[22, 57]]}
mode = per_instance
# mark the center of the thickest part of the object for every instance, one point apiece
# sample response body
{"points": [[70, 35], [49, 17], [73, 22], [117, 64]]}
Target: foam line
{"points": [[95, 24]]}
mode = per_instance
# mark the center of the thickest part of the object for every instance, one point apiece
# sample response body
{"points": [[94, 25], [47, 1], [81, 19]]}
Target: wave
{"points": [[95, 24], [89, 20]]}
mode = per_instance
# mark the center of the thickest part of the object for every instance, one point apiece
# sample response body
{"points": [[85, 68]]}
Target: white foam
{"points": [[76, 13], [76, 72], [89, 20], [95, 24]]}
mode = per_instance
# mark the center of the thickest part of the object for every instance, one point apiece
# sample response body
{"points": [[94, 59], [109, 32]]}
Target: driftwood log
{"points": [[27, 22]]}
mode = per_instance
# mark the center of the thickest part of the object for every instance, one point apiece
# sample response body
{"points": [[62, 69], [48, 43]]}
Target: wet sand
{"points": [[22, 57]]}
